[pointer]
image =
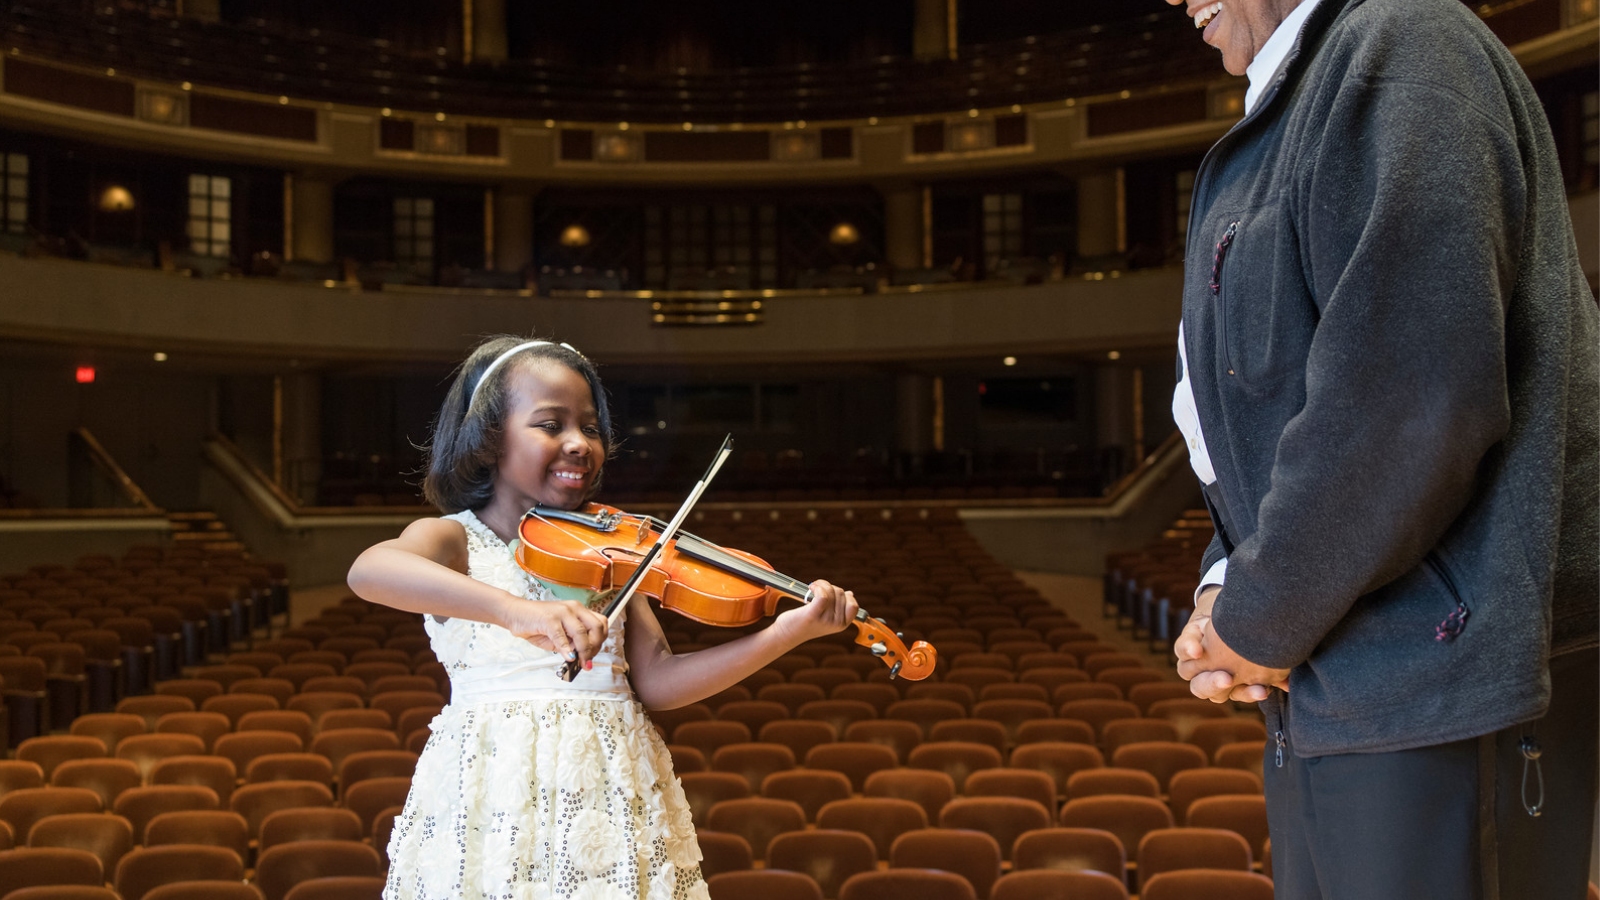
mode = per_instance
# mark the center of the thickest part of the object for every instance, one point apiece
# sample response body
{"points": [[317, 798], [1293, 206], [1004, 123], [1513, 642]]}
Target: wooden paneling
{"points": [[100, 93], [1143, 113], [291, 123], [714, 146]]}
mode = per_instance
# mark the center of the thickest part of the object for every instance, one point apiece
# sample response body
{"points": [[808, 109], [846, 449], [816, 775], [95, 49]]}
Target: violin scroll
{"points": [[913, 664]]}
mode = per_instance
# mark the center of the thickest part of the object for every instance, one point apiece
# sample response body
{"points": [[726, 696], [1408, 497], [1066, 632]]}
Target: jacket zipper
{"points": [[1278, 737], [1456, 622]]}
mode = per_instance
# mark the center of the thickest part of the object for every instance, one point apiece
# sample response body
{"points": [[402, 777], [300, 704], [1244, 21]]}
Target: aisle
{"points": [[1080, 597]]}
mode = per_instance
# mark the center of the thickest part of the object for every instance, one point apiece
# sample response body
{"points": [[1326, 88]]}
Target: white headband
{"points": [[505, 356]]}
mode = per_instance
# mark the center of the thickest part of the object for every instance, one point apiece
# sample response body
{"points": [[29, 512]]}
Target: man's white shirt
{"points": [[1260, 72]]}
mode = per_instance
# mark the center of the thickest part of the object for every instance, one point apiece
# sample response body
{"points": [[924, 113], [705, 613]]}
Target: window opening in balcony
{"points": [[413, 231], [1185, 192], [210, 215], [1591, 129], [14, 191], [711, 245], [1002, 229]]}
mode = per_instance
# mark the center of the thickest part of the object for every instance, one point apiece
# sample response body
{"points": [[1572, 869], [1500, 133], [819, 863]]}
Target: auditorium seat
{"points": [[1212, 734], [1192, 784], [1003, 818], [758, 820], [207, 726], [1014, 691], [880, 818], [16, 774], [106, 777], [150, 867], [152, 707], [958, 759], [722, 852], [769, 884], [28, 867], [338, 887], [1170, 849], [109, 838], [374, 795], [257, 801], [1028, 784], [754, 761], [841, 714], [63, 892], [1070, 849], [307, 824], [978, 678], [973, 854], [1162, 759], [1207, 884], [195, 690], [279, 689], [1244, 814], [959, 694], [827, 856], [1056, 884], [108, 727], [1128, 818], [898, 735], [704, 790], [687, 759], [1097, 712], [707, 737], [976, 731], [907, 884], [810, 788], [1181, 708], [1246, 755], [50, 751], [145, 750], [857, 761], [1054, 731], [22, 808], [929, 789], [365, 764], [205, 890], [1121, 732], [214, 827], [924, 713], [282, 867], [752, 713]]}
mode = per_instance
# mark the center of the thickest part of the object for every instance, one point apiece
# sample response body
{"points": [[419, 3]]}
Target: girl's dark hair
{"points": [[465, 445]]}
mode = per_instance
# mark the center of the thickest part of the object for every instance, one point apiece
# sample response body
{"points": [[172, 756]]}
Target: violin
{"points": [[598, 548]]}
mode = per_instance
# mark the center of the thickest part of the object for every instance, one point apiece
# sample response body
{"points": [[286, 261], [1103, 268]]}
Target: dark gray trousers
{"points": [[1448, 821]]}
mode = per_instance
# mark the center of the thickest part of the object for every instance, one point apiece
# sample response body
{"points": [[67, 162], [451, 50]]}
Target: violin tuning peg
{"points": [[879, 649], [900, 634]]}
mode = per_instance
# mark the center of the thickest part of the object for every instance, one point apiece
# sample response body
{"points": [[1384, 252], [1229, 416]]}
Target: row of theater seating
{"points": [[1146, 51], [1150, 590], [926, 569], [249, 766]]}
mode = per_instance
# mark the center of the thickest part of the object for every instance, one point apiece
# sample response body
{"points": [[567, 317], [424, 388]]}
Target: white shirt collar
{"points": [[1266, 63]]}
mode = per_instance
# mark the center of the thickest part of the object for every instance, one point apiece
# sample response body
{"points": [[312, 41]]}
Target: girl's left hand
{"points": [[830, 610]]}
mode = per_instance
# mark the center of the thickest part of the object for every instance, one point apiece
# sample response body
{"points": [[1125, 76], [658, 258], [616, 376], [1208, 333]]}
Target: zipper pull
{"points": [[1278, 736]]}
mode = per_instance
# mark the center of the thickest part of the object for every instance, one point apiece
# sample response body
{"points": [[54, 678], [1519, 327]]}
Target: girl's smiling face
{"points": [[551, 451]]}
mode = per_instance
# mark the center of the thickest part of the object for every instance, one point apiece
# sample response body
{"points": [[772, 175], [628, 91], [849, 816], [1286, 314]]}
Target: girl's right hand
{"points": [[565, 627]]}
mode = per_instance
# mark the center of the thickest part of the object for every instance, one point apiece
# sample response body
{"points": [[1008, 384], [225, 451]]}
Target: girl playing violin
{"points": [[531, 786]]}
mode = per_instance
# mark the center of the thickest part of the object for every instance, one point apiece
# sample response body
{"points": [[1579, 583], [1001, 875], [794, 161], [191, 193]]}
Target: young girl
{"points": [[533, 787]]}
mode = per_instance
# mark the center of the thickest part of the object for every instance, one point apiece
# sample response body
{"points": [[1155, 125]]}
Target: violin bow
{"points": [[570, 670]]}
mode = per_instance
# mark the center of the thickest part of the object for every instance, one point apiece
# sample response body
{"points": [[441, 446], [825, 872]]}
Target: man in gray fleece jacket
{"points": [[1393, 357]]}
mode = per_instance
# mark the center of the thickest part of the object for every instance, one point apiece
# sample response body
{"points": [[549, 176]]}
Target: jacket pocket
{"points": [[1264, 310]]}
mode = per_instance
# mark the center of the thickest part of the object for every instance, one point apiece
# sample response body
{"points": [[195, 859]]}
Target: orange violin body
{"points": [[599, 548]]}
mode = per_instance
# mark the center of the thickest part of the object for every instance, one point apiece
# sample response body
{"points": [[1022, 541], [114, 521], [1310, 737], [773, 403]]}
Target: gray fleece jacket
{"points": [[1394, 353]]}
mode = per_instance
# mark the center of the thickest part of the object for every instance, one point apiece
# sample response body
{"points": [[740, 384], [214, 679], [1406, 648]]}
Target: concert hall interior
{"points": [[921, 259]]}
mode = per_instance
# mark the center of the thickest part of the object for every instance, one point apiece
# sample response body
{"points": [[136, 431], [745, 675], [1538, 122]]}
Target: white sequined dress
{"points": [[531, 788]]}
